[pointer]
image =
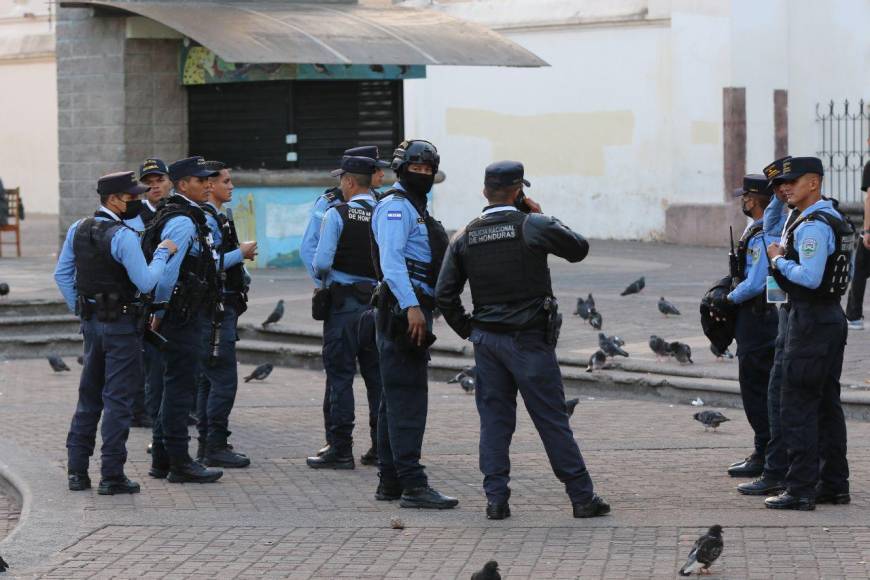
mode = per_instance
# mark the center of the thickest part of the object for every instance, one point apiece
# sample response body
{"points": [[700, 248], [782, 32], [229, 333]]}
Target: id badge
{"points": [[775, 294]]}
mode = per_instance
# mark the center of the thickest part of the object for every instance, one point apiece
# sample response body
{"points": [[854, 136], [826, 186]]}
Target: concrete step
{"points": [[11, 326], [35, 307], [40, 345]]}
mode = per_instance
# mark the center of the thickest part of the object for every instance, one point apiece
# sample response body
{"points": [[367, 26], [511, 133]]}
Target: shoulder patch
{"points": [[809, 247], [755, 252], [394, 215]]}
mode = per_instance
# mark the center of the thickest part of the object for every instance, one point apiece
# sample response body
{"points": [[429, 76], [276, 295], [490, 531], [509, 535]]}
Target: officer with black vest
{"points": [[813, 267], [185, 297], [514, 327], [409, 248], [343, 261], [104, 278], [218, 384]]}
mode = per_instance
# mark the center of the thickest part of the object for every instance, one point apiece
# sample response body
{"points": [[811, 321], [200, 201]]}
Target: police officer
{"points": [[755, 330], [813, 267], [219, 381], [310, 238], [102, 275], [343, 261], [514, 326], [185, 296], [410, 246]]}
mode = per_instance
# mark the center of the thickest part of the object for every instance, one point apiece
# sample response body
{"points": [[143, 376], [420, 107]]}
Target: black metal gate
{"points": [[844, 129]]}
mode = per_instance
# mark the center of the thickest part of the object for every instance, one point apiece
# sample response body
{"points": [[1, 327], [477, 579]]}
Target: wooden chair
{"points": [[13, 224]]}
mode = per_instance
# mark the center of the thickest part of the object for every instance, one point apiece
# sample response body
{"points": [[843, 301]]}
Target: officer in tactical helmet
{"points": [[812, 265], [104, 278], [409, 248], [514, 327]]}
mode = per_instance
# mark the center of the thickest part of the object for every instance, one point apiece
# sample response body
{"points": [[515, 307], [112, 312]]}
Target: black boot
{"points": [[427, 498], [183, 469], [388, 491], [825, 496], [117, 485], [370, 458], [761, 486], [78, 481], [591, 509], [223, 456], [323, 450], [159, 461], [787, 501], [498, 511], [752, 466], [332, 460]]}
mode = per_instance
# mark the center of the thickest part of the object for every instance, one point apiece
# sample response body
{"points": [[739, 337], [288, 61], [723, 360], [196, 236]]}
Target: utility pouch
{"points": [[321, 302], [554, 321], [108, 306]]}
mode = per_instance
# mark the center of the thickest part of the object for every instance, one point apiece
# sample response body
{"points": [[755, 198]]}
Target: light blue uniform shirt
{"points": [[312, 233], [755, 268], [330, 234], [125, 250], [400, 233], [182, 231], [814, 241], [775, 215]]}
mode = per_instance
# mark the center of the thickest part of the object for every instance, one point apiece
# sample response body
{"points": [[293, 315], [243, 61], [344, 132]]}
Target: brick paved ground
{"points": [[663, 474], [9, 514]]}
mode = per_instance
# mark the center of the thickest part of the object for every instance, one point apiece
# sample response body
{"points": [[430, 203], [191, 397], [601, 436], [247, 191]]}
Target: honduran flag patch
{"points": [[394, 215]]}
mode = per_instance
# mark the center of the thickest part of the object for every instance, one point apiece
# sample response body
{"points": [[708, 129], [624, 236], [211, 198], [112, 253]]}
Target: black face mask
{"points": [[417, 183], [131, 210]]}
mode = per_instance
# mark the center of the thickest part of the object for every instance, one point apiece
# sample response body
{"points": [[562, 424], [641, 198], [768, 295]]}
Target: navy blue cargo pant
{"points": [[218, 382], [181, 362], [111, 372], [776, 458], [755, 332], [346, 341], [402, 412], [523, 361], [812, 415], [153, 379]]}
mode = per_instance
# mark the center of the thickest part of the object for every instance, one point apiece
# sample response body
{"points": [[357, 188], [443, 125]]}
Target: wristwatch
{"points": [[773, 262]]}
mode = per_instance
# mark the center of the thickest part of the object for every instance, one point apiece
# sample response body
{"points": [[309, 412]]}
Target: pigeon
{"points": [[706, 550], [4, 288], [260, 373], [720, 355], [489, 572], [57, 364], [609, 347], [3, 565], [659, 346], [634, 287], [81, 359], [667, 308], [682, 352], [570, 405], [276, 314], [595, 319], [585, 307], [596, 361], [466, 372], [710, 419], [467, 383], [617, 341], [397, 524]]}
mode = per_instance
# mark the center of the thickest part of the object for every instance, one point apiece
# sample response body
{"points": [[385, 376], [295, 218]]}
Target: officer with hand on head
{"points": [[409, 248], [103, 276], [154, 174], [343, 262], [813, 266], [755, 331], [514, 327]]}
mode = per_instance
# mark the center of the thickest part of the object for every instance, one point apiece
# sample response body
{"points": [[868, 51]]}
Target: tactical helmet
{"points": [[415, 151]]}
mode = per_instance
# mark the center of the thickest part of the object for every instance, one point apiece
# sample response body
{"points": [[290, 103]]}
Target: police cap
{"points": [[190, 167], [773, 172], [370, 151], [152, 167], [359, 165], [796, 166], [118, 183], [505, 174], [754, 183]]}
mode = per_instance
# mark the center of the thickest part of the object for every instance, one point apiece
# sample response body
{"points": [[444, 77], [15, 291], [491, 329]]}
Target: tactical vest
{"points": [[97, 272], [235, 275], [743, 248], [354, 252], [837, 274], [500, 265], [196, 287], [438, 241], [146, 214]]}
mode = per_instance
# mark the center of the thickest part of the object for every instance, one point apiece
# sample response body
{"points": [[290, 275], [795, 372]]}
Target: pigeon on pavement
{"points": [[81, 359], [489, 572], [609, 347], [720, 356], [4, 288], [659, 346], [570, 405], [595, 319], [710, 419], [706, 550], [260, 373], [466, 372], [634, 287], [667, 308], [3, 565], [596, 361], [682, 352], [276, 314], [584, 307], [57, 364], [468, 383]]}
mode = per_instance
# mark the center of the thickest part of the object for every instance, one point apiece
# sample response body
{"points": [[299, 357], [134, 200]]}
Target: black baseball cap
{"points": [[505, 174], [773, 172], [190, 167], [360, 165], [121, 182], [796, 166], [152, 167], [370, 151], [754, 183]]}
